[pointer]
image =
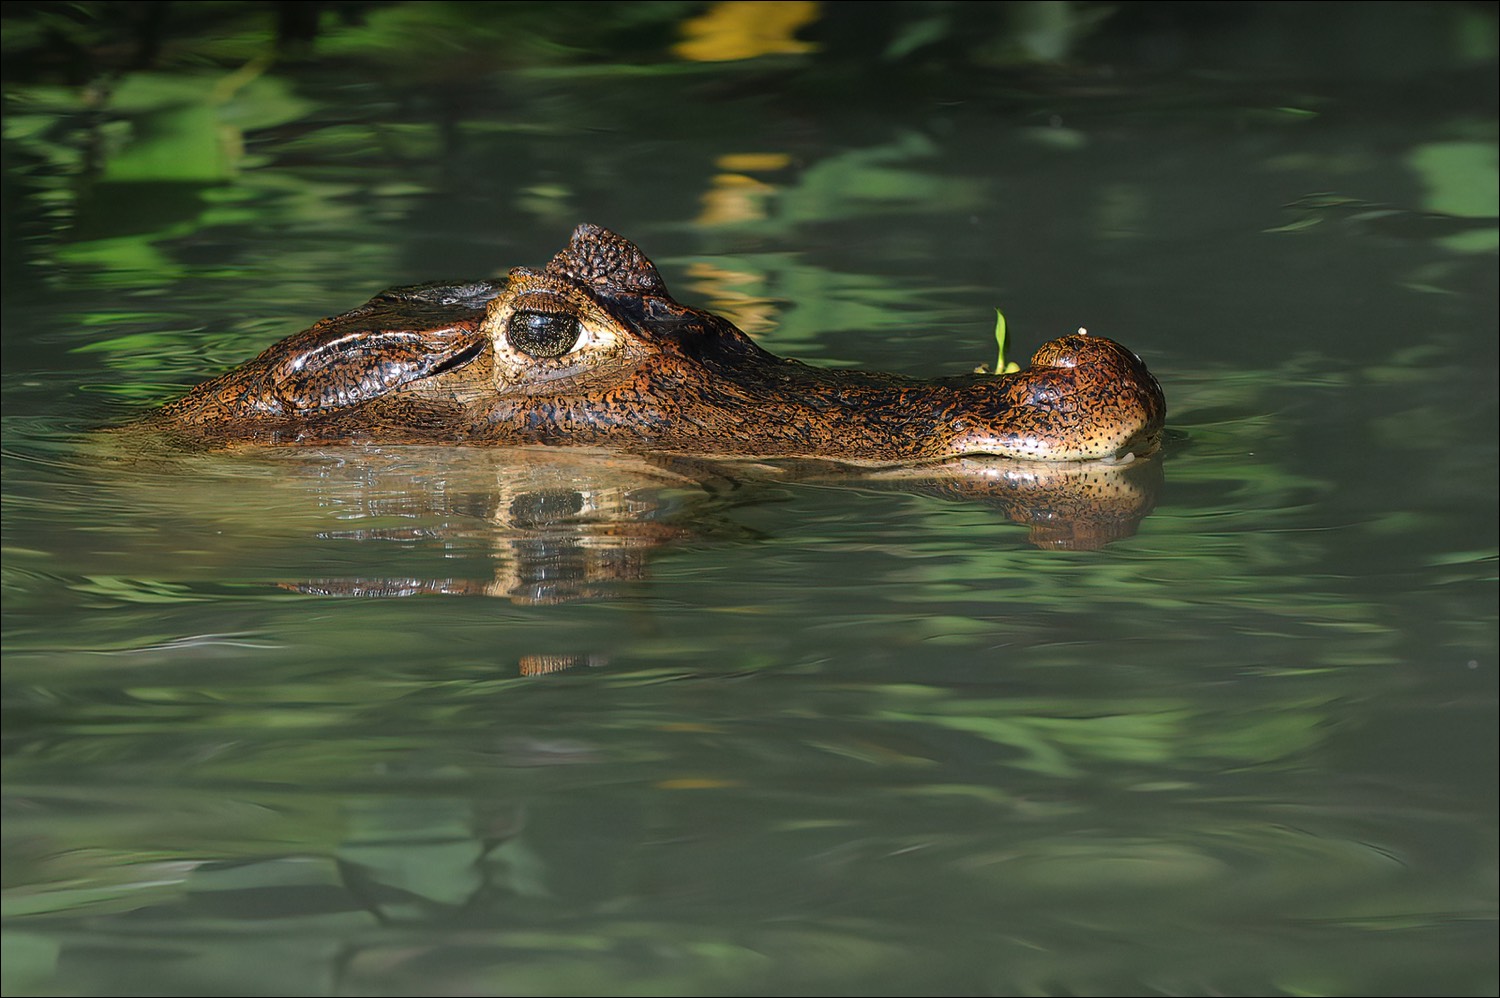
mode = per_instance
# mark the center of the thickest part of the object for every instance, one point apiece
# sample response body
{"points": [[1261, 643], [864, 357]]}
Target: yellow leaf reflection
{"points": [[746, 29], [752, 313], [695, 783], [753, 162]]}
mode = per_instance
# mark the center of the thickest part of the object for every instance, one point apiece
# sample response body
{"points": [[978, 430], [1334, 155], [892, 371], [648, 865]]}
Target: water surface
{"points": [[396, 721]]}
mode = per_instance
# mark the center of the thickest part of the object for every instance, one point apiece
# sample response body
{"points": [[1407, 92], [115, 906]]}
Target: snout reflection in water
{"points": [[560, 524]]}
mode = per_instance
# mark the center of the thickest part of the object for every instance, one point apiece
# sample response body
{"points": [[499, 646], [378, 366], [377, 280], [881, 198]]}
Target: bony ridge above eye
{"points": [[542, 334]]}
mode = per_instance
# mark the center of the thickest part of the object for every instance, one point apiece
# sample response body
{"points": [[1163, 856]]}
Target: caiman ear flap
{"points": [[608, 262]]}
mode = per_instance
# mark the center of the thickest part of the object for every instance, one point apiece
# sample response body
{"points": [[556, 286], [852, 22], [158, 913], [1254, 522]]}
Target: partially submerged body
{"points": [[593, 352]]}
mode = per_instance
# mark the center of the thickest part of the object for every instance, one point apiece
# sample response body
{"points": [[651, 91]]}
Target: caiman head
{"points": [[592, 350]]}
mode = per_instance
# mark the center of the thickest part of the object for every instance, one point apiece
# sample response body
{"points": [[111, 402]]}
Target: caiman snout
{"points": [[1082, 398]]}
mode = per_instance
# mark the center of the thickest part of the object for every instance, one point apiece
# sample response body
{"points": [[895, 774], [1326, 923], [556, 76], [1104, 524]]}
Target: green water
{"points": [[383, 721]]}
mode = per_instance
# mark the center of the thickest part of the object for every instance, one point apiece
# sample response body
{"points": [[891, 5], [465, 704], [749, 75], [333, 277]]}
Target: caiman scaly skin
{"points": [[592, 351]]}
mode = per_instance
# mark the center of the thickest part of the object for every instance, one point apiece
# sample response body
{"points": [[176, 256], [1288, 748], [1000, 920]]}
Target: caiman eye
{"points": [[542, 334]]}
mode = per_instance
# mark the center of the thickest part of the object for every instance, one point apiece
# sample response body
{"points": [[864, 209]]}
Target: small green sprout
{"points": [[1001, 366]]}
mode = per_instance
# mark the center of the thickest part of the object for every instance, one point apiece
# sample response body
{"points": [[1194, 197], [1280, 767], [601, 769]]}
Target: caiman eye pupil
{"points": [[542, 334]]}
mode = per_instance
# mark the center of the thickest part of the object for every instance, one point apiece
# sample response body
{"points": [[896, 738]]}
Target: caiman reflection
{"points": [[561, 526]]}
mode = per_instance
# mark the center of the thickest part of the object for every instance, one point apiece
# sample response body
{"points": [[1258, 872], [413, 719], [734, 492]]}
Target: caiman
{"points": [[592, 351]]}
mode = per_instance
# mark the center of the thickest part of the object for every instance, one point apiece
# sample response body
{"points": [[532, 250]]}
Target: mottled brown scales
{"points": [[592, 351]]}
